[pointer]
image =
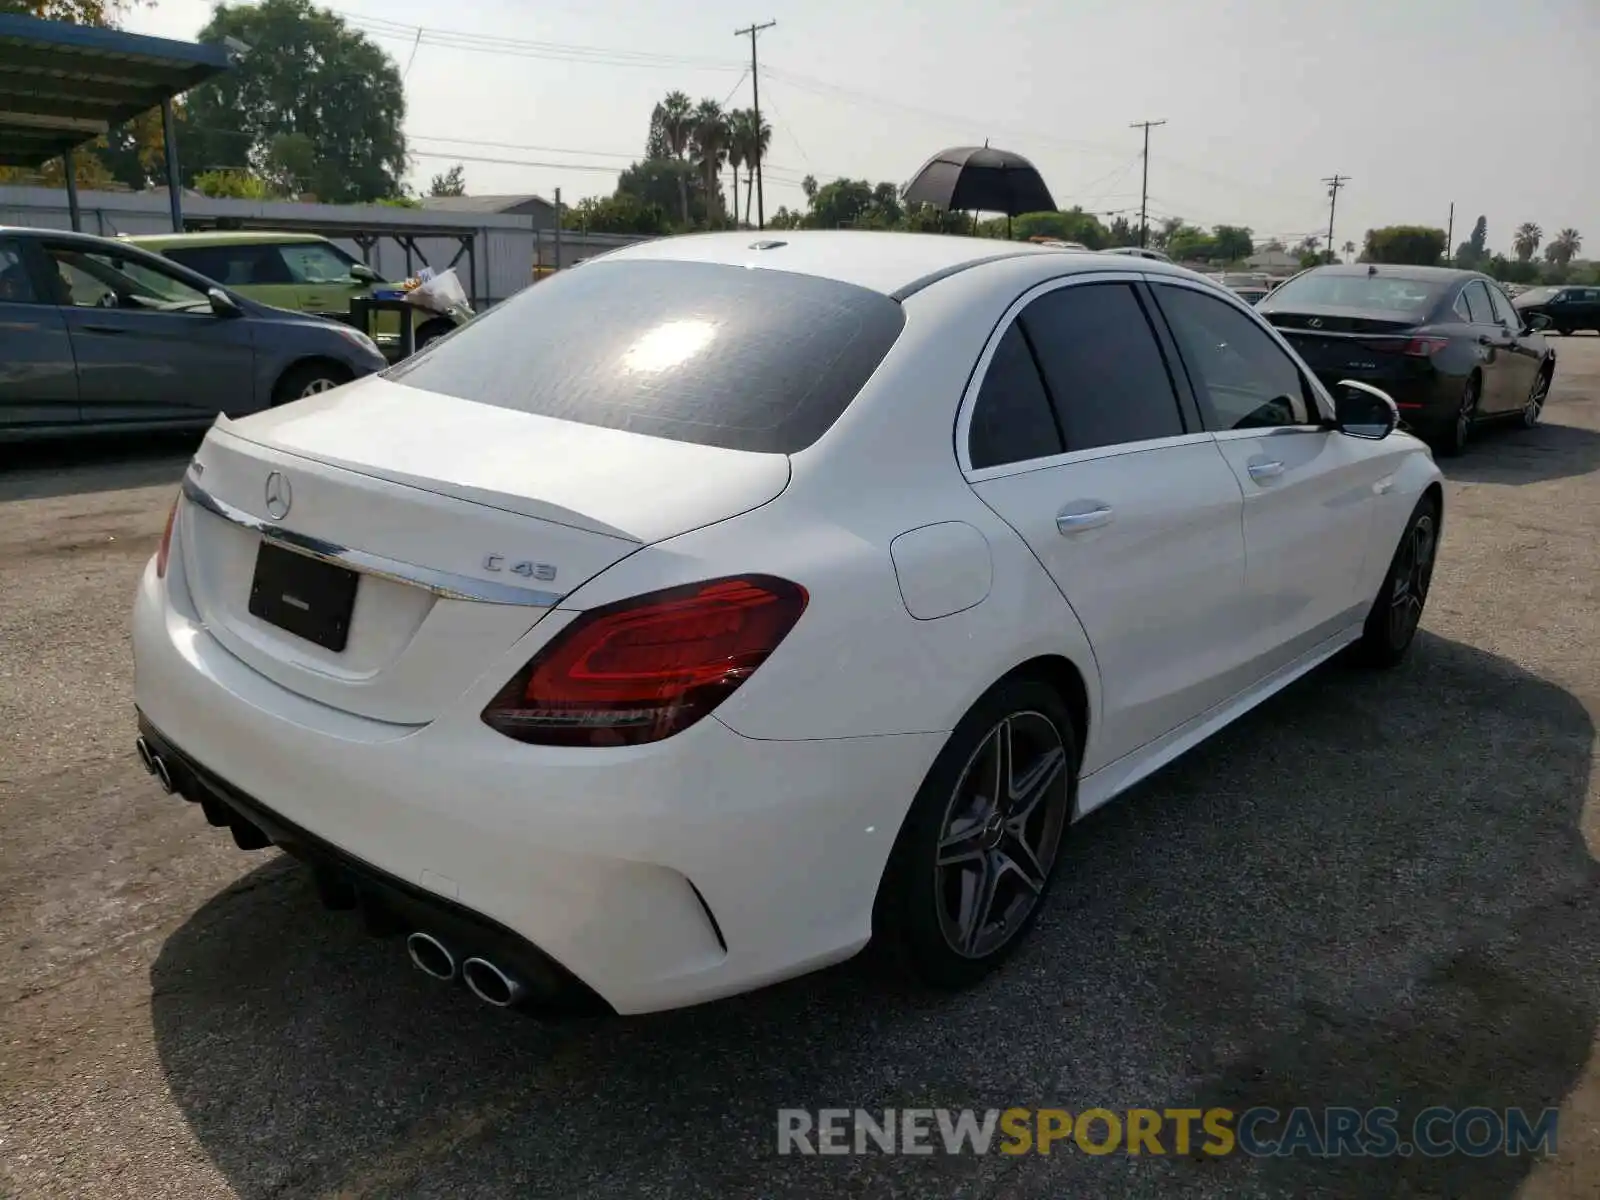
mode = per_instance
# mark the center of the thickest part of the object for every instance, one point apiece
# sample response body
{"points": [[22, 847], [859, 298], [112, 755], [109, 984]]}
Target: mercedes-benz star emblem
{"points": [[279, 496]]}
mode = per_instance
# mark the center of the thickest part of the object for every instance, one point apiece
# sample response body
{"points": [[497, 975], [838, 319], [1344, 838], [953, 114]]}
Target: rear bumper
{"points": [[659, 876], [1427, 404]]}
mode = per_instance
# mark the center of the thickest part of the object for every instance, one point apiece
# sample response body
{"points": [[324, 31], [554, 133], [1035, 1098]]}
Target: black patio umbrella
{"points": [[980, 179]]}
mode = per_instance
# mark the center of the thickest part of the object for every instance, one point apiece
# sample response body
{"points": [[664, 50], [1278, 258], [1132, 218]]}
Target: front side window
{"points": [[1102, 366], [107, 280], [1011, 419], [234, 266], [314, 262], [1244, 378], [1504, 314]]}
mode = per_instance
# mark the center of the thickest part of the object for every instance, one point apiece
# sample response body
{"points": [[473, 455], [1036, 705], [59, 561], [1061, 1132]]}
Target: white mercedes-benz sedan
{"points": [[707, 611]]}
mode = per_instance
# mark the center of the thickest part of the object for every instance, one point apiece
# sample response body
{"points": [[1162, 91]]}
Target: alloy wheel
{"points": [[1001, 831], [1413, 573], [1469, 405], [316, 386], [1534, 409]]}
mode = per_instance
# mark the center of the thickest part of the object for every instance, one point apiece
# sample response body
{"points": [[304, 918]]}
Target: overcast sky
{"points": [[1487, 103]]}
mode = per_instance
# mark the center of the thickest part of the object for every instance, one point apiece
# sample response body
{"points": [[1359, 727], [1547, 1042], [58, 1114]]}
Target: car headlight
{"points": [[361, 340]]}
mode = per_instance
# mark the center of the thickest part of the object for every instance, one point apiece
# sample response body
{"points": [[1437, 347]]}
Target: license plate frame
{"points": [[308, 597]]}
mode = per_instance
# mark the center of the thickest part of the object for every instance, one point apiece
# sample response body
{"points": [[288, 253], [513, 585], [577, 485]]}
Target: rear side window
{"points": [[234, 266], [1011, 420], [1102, 365], [757, 360], [1504, 314], [15, 286]]}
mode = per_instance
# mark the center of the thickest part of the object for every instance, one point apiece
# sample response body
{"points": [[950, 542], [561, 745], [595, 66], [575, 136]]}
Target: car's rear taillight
{"points": [[1426, 347], [646, 668], [164, 550]]}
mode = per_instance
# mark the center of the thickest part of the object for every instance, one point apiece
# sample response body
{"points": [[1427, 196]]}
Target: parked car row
{"points": [[98, 335]]}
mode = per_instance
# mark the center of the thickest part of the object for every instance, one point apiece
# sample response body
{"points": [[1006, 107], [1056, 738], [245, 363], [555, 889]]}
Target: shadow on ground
{"points": [[1513, 455], [37, 471], [1372, 892]]}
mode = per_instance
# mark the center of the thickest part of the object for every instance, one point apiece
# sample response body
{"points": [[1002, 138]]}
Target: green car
{"points": [[297, 271]]}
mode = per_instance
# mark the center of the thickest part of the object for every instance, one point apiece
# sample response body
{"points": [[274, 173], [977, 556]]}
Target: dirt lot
{"points": [[1379, 890]]}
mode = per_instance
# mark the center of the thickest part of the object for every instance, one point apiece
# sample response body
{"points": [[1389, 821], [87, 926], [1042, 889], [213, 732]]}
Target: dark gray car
{"points": [[97, 336]]}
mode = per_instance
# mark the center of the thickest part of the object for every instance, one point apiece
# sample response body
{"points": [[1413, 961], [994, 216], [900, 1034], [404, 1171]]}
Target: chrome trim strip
{"points": [[441, 583]]}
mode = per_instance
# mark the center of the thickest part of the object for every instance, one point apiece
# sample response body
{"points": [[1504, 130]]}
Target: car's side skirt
{"points": [[1117, 777]]}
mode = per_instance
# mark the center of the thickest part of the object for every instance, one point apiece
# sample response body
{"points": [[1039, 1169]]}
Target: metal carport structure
{"points": [[62, 86]]}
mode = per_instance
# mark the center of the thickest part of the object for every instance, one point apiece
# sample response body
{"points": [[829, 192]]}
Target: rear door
{"points": [[1497, 347], [1309, 492], [1522, 355], [148, 345], [256, 271], [38, 381], [1076, 436]]}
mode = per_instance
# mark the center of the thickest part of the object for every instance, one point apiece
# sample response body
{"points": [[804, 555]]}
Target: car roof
{"points": [[895, 264], [221, 237]]}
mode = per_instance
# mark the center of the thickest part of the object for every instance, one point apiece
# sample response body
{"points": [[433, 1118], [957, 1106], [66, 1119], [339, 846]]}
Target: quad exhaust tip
{"points": [[490, 984], [152, 763], [430, 956]]}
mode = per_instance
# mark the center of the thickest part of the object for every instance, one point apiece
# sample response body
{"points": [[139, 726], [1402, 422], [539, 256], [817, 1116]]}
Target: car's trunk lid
{"points": [[1348, 343], [465, 524]]}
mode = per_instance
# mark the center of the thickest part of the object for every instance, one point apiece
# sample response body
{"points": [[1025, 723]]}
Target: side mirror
{"points": [[365, 274], [222, 304], [1538, 323], [1363, 411]]}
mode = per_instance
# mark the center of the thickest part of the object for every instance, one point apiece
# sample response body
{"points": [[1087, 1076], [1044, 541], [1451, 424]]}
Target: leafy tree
{"points": [[104, 13], [1418, 245], [669, 184], [785, 218], [452, 183], [1565, 247], [1349, 249], [925, 218], [1513, 270], [1233, 242], [1121, 233], [621, 213], [307, 75], [1188, 242], [1526, 241], [840, 204], [235, 185], [1275, 246], [1160, 237], [1070, 225]]}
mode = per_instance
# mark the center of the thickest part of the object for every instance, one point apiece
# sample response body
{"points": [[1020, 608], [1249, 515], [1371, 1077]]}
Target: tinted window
{"points": [[1234, 365], [1381, 293], [15, 286], [1473, 300], [233, 266], [112, 280], [699, 352], [1102, 365], [1463, 309], [1504, 314], [1011, 420]]}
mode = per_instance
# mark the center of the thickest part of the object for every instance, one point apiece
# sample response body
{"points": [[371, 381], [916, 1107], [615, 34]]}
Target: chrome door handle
{"points": [[1265, 470], [1069, 522]]}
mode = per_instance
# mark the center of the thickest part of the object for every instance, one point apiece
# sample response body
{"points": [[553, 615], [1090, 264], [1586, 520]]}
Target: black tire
{"points": [[1392, 623], [1452, 440], [307, 379], [432, 331], [1533, 410], [1564, 330], [918, 916]]}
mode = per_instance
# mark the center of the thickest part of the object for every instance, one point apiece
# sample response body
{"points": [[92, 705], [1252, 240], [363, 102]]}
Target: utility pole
{"points": [[1144, 188], [755, 88], [1334, 182], [1450, 234]]}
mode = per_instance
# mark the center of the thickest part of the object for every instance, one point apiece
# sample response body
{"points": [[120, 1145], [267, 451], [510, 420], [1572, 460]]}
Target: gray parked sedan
{"points": [[97, 336]]}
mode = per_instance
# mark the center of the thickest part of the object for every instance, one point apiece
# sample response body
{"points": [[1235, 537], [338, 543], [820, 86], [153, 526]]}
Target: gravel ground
{"points": [[1377, 890]]}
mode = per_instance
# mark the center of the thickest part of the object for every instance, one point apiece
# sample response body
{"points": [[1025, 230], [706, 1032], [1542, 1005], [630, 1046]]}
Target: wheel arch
{"points": [[342, 370], [1063, 675]]}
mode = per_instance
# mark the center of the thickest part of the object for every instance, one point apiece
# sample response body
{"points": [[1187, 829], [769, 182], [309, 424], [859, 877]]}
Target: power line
{"points": [[1144, 188], [755, 95]]}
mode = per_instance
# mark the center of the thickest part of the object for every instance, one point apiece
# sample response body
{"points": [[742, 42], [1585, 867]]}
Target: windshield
{"points": [[720, 355], [1538, 295], [1383, 293]]}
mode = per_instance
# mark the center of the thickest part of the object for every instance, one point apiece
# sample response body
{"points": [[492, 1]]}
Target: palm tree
{"points": [[709, 143], [677, 122], [753, 143], [1526, 240], [1565, 247], [735, 159]]}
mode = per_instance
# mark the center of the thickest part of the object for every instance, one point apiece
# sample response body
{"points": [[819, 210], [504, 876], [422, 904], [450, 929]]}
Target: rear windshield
{"points": [[1381, 293], [1538, 295], [720, 355]]}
